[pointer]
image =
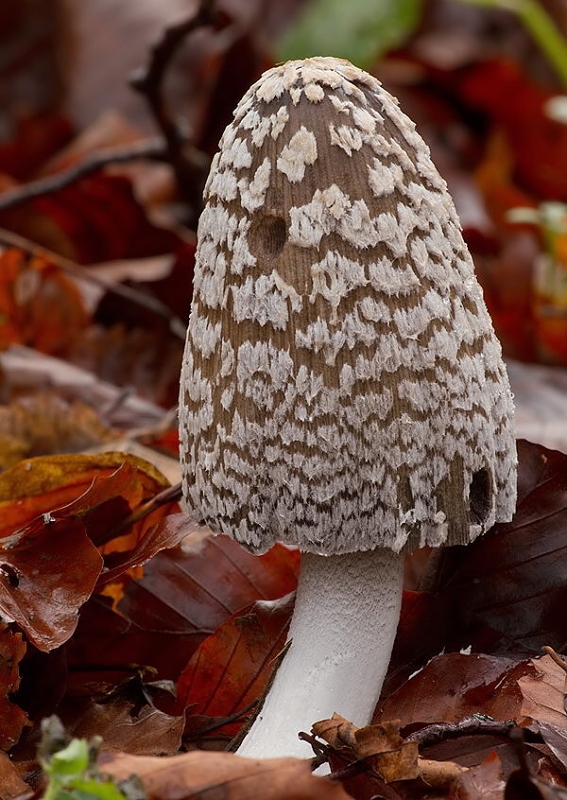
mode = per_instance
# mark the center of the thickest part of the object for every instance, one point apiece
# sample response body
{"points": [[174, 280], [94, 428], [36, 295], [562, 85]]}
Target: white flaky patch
{"points": [[333, 278], [265, 300], [384, 178], [253, 193], [346, 137], [297, 155], [332, 211]]}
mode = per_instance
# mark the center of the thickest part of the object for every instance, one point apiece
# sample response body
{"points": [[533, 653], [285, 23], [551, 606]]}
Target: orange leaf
{"points": [[39, 305], [73, 484]]}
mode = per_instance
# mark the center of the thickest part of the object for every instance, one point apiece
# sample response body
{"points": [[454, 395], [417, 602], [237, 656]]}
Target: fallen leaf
{"points": [[45, 423], [185, 594], [485, 780], [543, 693], [454, 686], [555, 737], [39, 305], [75, 484], [12, 785], [231, 668], [511, 584], [13, 719], [47, 571], [149, 732], [197, 776], [381, 746], [195, 588]]}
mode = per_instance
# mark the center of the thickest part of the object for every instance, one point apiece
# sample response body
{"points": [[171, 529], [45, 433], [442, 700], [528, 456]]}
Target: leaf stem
{"points": [[540, 25]]}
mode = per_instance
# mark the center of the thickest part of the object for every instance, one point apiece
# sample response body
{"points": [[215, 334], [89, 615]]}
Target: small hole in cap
{"points": [[480, 496], [268, 236]]}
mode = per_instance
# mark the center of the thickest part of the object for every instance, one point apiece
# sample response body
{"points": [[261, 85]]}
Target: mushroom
{"points": [[342, 388]]}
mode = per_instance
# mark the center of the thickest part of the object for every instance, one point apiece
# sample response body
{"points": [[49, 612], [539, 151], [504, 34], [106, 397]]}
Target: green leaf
{"points": [[358, 30], [90, 789], [72, 760]]}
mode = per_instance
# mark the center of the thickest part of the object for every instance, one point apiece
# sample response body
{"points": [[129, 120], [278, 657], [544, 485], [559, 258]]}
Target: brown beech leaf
{"points": [[231, 668], [146, 541], [485, 780], [185, 594], [12, 785], [147, 732], [382, 756], [454, 686], [12, 718], [197, 586], [380, 745], [543, 693], [47, 571], [198, 776]]}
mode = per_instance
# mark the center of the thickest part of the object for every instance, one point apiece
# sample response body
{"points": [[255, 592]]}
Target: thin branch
{"points": [[555, 657], [176, 325], [153, 148], [432, 734], [171, 494], [149, 83]]}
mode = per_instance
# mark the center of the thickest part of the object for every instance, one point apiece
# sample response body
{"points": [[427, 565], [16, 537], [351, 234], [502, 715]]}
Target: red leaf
{"points": [[232, 667], [195, 588], [186, 593]]}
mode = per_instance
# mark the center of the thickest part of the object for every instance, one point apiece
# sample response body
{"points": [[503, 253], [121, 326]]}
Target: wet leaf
{"points": [[484, 780], [185, 594], [47, 571], [75, 484], [195, 588], [454, 686]]}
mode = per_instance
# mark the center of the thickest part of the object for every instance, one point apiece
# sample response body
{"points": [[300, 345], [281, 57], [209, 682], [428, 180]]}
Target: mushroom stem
{"points": [[342, 632]]}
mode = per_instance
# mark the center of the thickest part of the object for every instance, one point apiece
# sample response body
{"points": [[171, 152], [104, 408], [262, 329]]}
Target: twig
{"points": [[432, 734], [146, 149], [149, 83], [222, 721], [555, 656], [176, 325], [169, 495]]}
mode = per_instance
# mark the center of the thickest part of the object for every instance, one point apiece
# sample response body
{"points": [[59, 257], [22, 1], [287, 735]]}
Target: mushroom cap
{"points": [[342, 386]]}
